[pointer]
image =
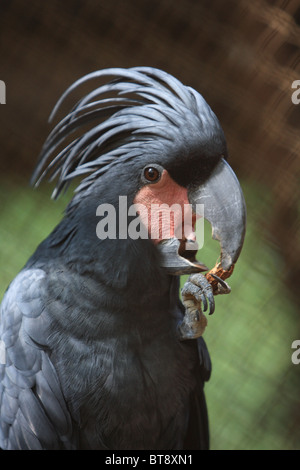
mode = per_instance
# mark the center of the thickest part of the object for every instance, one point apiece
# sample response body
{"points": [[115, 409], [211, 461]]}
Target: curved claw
{"points": [[217, 278], [222, 286], [199, 288], [203, 284], [211, 300]]}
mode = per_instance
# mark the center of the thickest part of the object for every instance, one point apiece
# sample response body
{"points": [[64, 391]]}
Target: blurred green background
{"points": [[243, 57]]}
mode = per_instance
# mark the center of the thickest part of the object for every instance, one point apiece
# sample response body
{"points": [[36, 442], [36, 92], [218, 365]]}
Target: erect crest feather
{"points": [[137, 105]]}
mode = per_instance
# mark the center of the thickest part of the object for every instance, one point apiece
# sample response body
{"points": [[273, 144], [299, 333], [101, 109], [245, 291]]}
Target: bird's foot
{"points": [[194, 322], [198, 292]]}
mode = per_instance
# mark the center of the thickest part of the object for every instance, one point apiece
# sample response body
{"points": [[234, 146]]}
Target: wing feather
{"points": [[33, 412]]}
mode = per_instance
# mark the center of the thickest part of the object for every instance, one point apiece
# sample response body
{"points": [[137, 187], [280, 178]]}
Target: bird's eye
{"points": [[152, 174]]}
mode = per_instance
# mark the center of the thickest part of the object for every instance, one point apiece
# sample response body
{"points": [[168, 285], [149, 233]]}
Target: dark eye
{"points": [[152, 174]]}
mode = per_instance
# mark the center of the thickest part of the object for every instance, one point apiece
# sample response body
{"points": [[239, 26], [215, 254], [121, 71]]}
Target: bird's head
{"points": [[167, 154]]}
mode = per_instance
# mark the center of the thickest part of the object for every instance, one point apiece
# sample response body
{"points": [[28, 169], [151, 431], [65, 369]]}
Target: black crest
{"points": [[136, 106]]}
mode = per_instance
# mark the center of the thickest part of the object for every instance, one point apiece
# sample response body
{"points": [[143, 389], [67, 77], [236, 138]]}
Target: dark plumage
{"points": [[146, 110], [89, 356]]}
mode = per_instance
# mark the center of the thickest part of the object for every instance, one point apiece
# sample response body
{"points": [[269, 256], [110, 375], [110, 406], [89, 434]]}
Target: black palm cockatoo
{"points": [[97, 351]]}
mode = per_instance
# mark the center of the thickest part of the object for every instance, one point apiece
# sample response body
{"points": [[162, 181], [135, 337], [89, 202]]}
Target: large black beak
{"points": [[225, 209], [221, 198]]}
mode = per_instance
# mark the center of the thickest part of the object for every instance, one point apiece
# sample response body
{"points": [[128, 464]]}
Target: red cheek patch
{"points": [[164, 209]]}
